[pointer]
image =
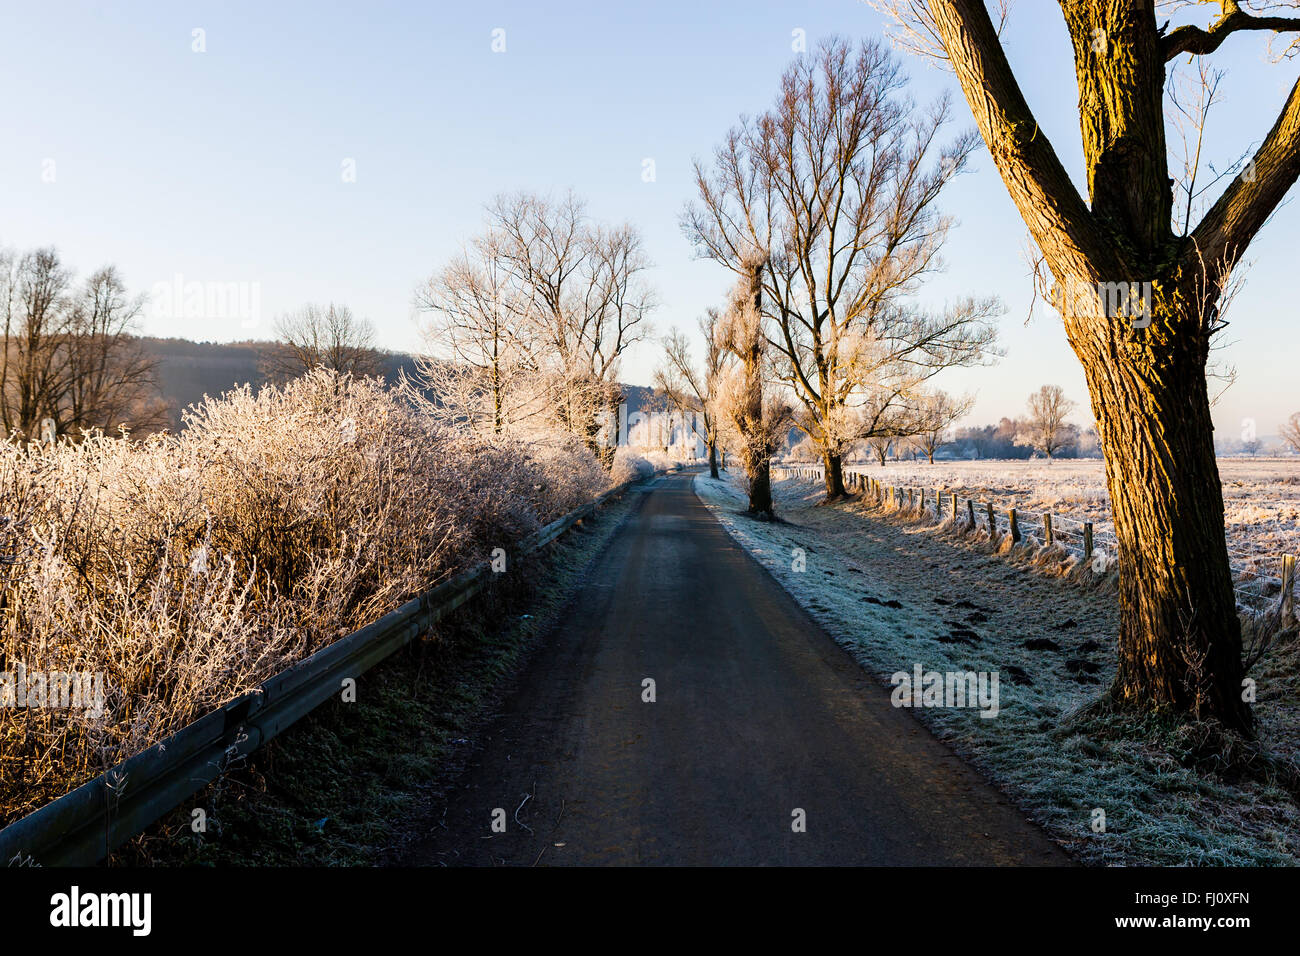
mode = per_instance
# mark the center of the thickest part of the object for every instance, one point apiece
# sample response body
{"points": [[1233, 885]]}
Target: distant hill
{"points": [[188, 371]]}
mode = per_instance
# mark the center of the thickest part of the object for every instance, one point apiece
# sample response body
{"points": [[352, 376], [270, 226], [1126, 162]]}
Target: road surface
{"points": [[760, 721]]}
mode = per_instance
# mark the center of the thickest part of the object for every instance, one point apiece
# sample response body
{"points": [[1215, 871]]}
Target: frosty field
{"points": [[1261, 499]]}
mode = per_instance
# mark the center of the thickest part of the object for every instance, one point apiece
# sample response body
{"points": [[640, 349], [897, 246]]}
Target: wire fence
{"points": [[1256, 589]]}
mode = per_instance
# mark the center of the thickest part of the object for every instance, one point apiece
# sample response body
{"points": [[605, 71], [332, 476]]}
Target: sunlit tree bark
{"points": [[1144, 362]]}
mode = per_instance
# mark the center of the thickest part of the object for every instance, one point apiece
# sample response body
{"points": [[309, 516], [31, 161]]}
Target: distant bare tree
{"points": [[71, 355], [479, 360], [587, 301], [36, 284], [110, 378], [1046, 428], [700, 382], [840, 180], [1290, 432], [880, 448], [939, 412], [329, 336]]}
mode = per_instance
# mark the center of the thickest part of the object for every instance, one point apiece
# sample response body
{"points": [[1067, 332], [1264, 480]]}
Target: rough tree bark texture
{"points": [[1180, 640], [834, 475], [752, 428]]}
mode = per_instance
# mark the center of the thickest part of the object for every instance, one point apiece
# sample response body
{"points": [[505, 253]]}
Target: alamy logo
{"points": [[76, 690], [1123, 300], [74, 908], [923, 688], [181, 299]]}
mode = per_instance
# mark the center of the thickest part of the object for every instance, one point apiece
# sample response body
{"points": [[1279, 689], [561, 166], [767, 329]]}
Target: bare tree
{"points": [[840, 182], [1145, 364], [35, 325], [880, 447], [939, 412], [1046, 429], [1290, 432], [479, 358], [110, 378], [699, 382], [69, 355], [758, 421], [587, 301], [328, 336]]}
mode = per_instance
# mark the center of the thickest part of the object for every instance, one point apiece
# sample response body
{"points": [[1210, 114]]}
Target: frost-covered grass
{"points": [[1261, 498], [188, 568], [897, 591]]}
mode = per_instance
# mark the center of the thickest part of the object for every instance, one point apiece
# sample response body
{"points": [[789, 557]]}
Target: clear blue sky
{"points": [[226, 165]]}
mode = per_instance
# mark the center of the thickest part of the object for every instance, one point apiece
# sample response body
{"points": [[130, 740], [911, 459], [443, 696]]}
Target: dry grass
{"points": [[188, 568]]}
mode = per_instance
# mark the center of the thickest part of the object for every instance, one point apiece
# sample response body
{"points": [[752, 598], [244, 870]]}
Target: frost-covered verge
{"points": [[181, 571], [1261, 498], [897, 592]]}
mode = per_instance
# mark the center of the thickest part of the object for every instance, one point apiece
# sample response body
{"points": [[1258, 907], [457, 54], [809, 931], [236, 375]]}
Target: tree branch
{"points": [[1194, 40], [1246, 204], [1056, 214]]}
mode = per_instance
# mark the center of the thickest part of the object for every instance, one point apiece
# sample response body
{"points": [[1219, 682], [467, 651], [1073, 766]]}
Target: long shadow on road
{"points": [[759, 721]]}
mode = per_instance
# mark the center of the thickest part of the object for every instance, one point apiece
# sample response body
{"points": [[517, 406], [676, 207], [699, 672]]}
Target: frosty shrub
{"points": [[629, 465], [188, 568]]}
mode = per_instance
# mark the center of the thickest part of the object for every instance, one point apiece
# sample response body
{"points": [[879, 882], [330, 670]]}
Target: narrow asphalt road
{"points": [[757, 714]]}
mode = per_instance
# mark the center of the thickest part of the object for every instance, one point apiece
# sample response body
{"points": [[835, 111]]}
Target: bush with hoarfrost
{"points": [[629, 465], [188, 568]]}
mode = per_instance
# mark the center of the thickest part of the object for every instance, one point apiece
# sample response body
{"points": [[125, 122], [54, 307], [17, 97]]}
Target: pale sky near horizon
{"points": [[123, 145]]}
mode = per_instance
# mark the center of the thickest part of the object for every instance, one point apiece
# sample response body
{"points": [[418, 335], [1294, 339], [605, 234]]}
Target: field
{"points": [[1261, 502]]}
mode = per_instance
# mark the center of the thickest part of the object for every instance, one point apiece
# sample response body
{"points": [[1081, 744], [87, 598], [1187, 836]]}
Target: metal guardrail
{"points": [[84, 826]]}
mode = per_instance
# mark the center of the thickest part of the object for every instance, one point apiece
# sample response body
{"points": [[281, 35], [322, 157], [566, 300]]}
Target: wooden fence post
{"points": [[1015, 527], [1047, 528], [1288, 586], [954, 507], [970, 512], [993, 526], [1087, 541]]}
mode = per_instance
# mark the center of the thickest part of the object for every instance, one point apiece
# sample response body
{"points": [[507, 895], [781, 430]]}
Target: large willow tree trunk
{"points": [[833, 465], [748, 344], [1180, 640], [760, 490], [1180, 637]]}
